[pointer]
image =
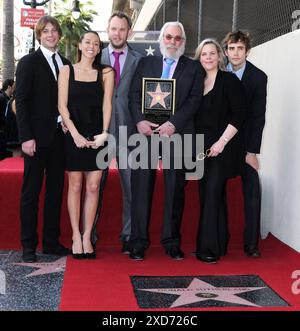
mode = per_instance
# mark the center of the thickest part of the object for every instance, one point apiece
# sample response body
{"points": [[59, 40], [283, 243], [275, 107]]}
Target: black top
{"points": [[85, 107], [224, 105]]}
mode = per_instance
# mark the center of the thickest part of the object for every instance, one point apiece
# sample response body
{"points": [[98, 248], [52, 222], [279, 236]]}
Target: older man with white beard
{"points": [[188, 75]]}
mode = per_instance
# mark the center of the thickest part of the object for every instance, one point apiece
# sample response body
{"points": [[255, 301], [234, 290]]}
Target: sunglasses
{"points": [[176, 38]]}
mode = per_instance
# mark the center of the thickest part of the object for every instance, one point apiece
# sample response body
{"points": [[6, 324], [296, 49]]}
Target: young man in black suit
{"points": [[189, 90], [42, 140], [237, 47]]}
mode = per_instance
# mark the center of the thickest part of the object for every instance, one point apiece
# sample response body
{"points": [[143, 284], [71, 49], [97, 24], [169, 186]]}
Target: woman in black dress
{"points": [[85, 104], [220, 115]]}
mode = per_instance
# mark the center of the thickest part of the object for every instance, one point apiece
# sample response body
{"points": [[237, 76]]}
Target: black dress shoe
{"points": [[137, 254], [29, 256], [125, 248], [255, 253], [59, 250], [175, 253], [207, 259]]}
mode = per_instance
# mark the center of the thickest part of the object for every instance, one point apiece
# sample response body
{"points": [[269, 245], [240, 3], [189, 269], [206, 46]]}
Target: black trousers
{"points": [[252, 203], [252, 208], [211, 230], [142, 185], [47, 162]]}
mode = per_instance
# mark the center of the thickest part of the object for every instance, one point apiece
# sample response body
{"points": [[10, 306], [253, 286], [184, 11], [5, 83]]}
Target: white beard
{"points": [[179, 51]]}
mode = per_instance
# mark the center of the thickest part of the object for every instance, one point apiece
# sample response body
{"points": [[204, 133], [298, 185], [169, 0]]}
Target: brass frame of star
{"points": [[199, 290], [150, 51], [44, 268], [158, 97]]}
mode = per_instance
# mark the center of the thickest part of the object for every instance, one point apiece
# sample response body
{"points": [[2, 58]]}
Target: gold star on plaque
{"points": [[158, 97]]}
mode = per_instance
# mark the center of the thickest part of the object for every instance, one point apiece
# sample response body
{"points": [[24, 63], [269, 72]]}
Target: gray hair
{"points": [[181, 48], [178, 24], [218, 47]]}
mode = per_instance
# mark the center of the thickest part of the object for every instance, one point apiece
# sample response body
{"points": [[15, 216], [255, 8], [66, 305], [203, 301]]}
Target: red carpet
{"points": [[104, 284]]}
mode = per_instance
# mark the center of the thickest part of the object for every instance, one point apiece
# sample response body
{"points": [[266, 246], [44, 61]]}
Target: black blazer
{"points": [[189, 90], [255, 84], [36, 99]]}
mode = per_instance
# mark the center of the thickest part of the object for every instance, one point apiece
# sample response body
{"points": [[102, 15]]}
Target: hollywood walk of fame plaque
{"points": [[158, 102]]}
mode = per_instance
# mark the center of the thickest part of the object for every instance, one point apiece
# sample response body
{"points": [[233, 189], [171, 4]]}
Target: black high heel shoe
{"points": [[90, 255], [77, 256]]}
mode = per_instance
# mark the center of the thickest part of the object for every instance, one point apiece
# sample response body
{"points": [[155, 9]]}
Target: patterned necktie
{"points": [[117, 66], [55, 65], [167, 68]]}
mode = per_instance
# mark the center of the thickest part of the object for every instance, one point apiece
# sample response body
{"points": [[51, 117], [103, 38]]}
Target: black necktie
{"points": [[55, 65]]}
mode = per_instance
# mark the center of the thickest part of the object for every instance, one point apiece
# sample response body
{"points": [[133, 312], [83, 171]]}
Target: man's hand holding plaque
{"points": [[146, 127]]}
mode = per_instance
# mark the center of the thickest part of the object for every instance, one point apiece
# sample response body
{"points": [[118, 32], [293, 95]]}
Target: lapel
{"points": [[105, 59], [129, 62], [45, 63], [63, 59], [247, 72], [157, 66], [179, 68]]}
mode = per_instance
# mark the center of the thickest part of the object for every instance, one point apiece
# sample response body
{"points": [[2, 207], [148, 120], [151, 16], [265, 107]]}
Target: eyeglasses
{"points": [[176, 38]]}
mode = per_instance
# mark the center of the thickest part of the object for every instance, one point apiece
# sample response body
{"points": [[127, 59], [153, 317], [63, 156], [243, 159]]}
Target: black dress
{"points": [[85, 106]]}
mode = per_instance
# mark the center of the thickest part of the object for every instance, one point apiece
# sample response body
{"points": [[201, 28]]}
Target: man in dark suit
{"points": [[42, 140], [237, 47], [189, 91], [125, 61], [6, 93]]}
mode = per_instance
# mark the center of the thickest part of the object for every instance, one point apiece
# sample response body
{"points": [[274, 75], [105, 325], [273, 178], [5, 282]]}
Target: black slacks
{"points": [[47, 162], [252, 208], [252, 203], [142, 185], [210, 234]]}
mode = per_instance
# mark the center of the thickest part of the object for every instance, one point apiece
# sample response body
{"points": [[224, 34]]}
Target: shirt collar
{"points": [[47, 52], [110, 50], [239, 73], [175, 60]]}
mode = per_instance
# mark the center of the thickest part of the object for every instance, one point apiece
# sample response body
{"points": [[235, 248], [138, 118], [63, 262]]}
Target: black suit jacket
{"points": [[36, 99], [189, 90], [255, 83]]}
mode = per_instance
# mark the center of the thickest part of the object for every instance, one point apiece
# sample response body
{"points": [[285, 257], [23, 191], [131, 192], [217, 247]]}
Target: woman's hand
{"points": [[99, 140], [80, 141], [217, 148]]}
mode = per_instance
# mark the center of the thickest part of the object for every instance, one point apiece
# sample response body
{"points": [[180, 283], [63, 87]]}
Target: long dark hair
{"points": [[97, 61]]}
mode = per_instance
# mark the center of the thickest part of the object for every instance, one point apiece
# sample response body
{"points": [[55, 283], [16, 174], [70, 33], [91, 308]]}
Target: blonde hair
{"points": [[211, 41]]}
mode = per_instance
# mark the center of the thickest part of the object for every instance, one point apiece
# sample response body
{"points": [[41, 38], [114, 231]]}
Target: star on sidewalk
{"points": [[150, 50], [199, 290], [158, 97], [45, 267]]}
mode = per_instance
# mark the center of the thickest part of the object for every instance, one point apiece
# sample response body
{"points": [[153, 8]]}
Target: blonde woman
{"points": [[219, 118]]}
